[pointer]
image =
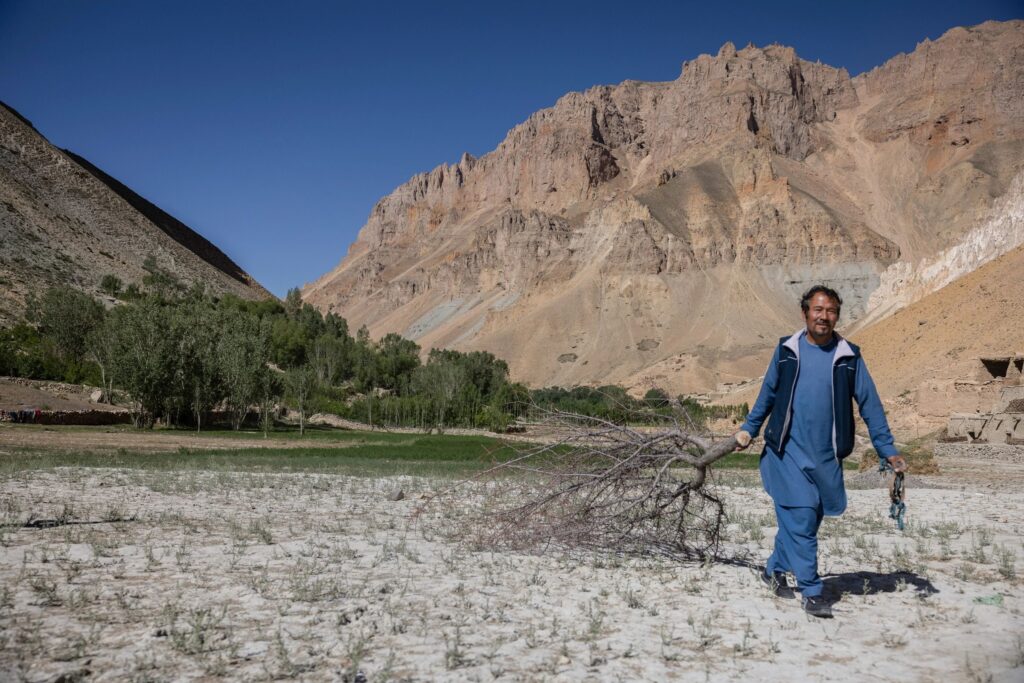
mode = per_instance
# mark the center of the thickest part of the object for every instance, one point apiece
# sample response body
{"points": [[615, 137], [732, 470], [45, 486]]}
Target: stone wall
{"points": [[936, 399], [83, 417], [987, 428]]}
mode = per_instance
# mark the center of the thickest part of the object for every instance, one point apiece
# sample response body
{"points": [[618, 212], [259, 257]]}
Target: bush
{"points": [[494, 419], [656, 398], [111, 285]]}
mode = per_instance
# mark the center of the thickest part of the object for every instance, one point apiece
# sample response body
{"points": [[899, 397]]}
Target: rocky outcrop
{"points": [[946, 126], [64, 221], [691, 213], [904, 282]]}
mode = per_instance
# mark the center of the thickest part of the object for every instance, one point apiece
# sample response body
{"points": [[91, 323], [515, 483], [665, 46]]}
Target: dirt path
{"points": [[65, 439]]}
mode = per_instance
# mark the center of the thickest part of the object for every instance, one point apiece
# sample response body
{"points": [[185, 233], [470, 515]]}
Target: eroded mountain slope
{"points": [[62, 220], [660, 232]]}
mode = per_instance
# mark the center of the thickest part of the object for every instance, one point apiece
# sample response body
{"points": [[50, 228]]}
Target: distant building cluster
{"points": [[1005, 422]]}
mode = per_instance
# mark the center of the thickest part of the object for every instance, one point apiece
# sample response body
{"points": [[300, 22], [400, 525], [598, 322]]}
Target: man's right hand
{"points": [[742, 439], [898, 463]]}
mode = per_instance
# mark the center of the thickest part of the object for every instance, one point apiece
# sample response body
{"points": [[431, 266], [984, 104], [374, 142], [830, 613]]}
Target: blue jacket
{"points": [[850, 381]]}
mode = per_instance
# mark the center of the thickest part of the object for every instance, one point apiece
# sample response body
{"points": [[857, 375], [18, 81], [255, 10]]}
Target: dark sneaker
{"points": [[817, 606], [777, 584]]}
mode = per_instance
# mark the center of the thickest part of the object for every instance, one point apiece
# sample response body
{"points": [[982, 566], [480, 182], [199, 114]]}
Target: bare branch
{"points": [[604, 486]]}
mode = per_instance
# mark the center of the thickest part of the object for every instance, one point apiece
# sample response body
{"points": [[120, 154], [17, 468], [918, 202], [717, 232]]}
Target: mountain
{"points": [[660, 233], [62, 220]]}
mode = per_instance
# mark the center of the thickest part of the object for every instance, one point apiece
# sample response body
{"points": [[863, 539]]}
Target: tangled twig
{"points": [[599, 485]]}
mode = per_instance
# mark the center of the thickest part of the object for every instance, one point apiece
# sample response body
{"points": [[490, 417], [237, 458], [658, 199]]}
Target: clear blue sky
{"points": [[273, 127]]}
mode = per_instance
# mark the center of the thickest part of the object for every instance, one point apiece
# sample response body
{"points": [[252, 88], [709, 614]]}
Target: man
{"points": [[807, 397]]}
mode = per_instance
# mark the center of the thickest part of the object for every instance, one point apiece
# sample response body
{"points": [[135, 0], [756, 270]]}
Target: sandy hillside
{"points": [[916, 354], [943, 334]]}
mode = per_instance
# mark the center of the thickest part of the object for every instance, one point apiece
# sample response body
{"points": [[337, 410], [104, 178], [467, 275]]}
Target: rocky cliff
{"points": [[660, 232], [62, 220]]}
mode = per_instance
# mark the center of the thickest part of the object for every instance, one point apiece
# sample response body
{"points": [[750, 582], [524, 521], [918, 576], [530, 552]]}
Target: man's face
{"points": [[822, 316]]}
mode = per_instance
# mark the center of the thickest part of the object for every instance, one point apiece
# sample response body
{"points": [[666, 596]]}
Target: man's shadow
{"points": [[873, 583]]}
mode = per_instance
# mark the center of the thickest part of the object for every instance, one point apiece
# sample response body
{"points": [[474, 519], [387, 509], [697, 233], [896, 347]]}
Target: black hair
{"points": [[805, 300]]}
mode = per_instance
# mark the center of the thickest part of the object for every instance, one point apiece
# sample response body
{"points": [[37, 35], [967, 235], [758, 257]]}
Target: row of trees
{"points": [[176, 358], [184, 357], [614, 404]]}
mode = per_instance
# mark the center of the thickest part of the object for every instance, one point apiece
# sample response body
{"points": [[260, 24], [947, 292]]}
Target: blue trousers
{"points": [[796, 546]]}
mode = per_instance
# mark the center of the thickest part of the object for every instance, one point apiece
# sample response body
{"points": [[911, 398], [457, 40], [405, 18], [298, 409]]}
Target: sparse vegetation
{"points": [[111, 285], [614, 404], [274, 564]]}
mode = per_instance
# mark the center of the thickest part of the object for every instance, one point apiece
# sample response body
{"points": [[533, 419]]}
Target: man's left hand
{"points": [[898, 462]]}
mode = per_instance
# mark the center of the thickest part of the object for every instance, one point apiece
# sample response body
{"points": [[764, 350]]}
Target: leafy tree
{"points": [[178, 353], [484, 371], [301, 383], [99, 349], [439, 381], [198, 375], [161, 282], [492, 418], [336, 326], [364, 361], [132, 292], [196, 292], [242, 353], [512, 400], [293, 302], [21, 352], [656, 398], [311, 320], [141, 355], [271, 388], [397, 358], [363, 336], [288, 342], [262, 309], [329, 358], [65, 317]]}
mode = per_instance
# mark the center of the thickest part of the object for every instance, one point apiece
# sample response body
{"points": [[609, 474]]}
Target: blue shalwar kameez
{"points": [[806, 483]]}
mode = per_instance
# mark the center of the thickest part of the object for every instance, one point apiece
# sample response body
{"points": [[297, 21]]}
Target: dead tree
{"points": [[599, 485]]}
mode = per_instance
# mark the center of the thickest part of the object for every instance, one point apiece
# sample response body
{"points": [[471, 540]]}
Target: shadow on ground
{"points": [[872, 583]]}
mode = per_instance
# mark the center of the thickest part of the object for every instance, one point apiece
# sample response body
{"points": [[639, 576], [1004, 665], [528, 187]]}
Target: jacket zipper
{"points": [[792, 393], [835, 449], [789, 407]]}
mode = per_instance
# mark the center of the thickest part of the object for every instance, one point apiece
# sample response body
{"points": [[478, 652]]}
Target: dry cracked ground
{"points": [[194, 575]]}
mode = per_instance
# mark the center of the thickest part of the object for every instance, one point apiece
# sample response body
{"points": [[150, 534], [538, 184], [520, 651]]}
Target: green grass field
{"points": [[749, 461], [357, 453]]}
